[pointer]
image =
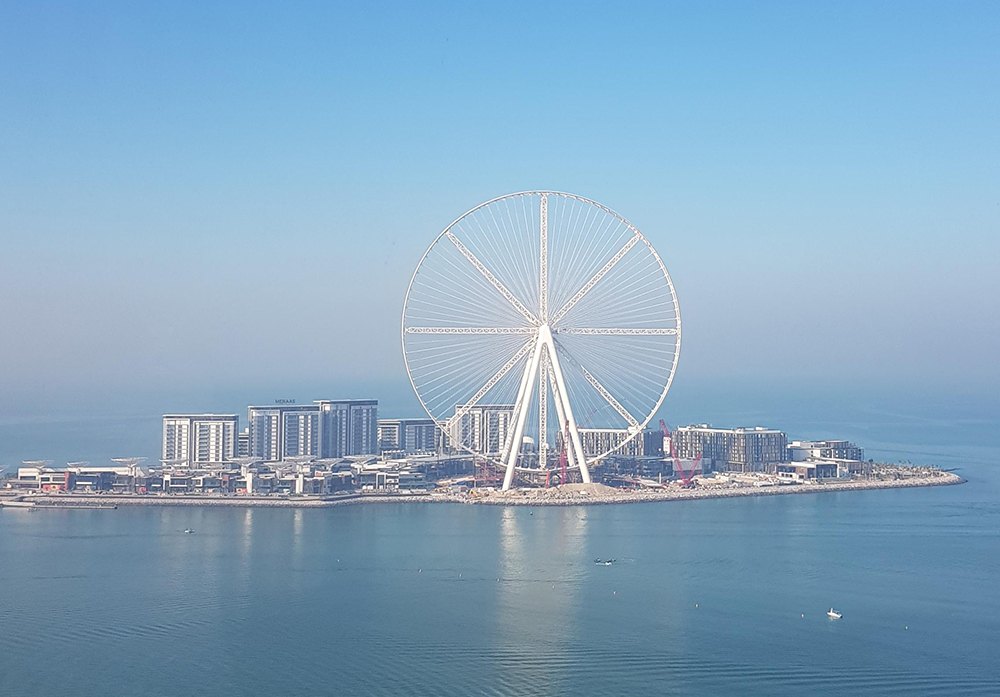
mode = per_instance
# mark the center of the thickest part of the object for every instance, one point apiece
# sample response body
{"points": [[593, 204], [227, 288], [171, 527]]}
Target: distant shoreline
{"points": [[572, 495]]}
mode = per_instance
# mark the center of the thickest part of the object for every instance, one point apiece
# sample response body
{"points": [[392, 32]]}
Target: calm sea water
{"points": [[707, 597]]}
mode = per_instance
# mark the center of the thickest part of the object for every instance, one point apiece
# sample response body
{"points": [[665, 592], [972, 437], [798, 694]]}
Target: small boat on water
{"points": [[833, 614], [605, 562], [188, 531]]}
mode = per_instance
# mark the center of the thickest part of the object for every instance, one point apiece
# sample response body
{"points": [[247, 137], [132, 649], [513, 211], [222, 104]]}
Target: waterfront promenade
{"points": [[568, 495]]}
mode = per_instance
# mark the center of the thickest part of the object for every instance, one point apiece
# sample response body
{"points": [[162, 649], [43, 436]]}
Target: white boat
{"points": [[833, 614], [188, 531]]}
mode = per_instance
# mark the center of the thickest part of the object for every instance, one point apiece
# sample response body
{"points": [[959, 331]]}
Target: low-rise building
{"points": [[802, 450], [806, 471], [598, 441]]}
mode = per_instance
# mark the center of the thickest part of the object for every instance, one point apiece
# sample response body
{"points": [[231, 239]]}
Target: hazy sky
{"points": [[199, 198]]}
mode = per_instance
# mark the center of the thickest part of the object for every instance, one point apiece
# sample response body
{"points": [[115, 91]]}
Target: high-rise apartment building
{"points": [[408, 435], [327, 428], [754, 449], [483, 428], [191, 440], [348, 427], [284, 430]]}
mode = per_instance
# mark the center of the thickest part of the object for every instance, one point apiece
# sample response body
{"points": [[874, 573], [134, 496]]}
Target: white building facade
{"points": [[408, 436], [325, 429], [484, 428], [194, 440]]}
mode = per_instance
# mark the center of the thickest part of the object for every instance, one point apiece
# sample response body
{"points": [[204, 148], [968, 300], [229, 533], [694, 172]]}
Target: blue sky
{"points": [[822, 180]]}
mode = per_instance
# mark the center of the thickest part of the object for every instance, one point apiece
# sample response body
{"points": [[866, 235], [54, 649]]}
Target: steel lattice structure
{"points": [[534, 297]]}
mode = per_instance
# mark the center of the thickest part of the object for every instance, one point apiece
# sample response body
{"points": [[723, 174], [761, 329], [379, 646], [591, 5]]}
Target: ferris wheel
{"points": [[535, 300]]}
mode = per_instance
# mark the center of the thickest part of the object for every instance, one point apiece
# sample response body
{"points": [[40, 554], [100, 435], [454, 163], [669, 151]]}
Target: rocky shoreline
{"points": [[569, 495]]}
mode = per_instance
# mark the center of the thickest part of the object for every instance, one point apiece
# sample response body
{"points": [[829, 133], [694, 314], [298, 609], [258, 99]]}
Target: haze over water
{"points": [[205, 206], [706, 597]]}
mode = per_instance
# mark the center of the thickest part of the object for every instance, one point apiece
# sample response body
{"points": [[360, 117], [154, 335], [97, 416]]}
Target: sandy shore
{"points": [[569, 495]]}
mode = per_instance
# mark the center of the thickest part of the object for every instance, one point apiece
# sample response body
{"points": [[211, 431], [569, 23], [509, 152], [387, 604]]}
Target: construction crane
{"points": [[563, 460], [685, 475]]}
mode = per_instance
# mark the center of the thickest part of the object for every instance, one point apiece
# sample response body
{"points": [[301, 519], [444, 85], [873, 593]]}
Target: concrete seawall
{"points": [[571, 495]]}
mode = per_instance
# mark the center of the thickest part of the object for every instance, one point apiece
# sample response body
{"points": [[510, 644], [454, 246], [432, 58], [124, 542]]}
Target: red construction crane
{"points": [[678, 468]]}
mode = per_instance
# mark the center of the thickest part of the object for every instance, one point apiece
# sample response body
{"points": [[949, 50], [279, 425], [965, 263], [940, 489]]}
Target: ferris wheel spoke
{"points": [[471, 330], [543, 257], [491, 383], [596, 278], [610, 399], [618, 331], [489, 276]]}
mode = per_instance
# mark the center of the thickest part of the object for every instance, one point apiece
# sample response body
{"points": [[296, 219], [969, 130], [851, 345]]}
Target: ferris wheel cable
{"points": [[609, 398], [488, 242], [508, 225], [595, 270], [577, 281], [513, 271], [595, 279], [442, 373], [621, 297], [502, 261], [636, 260], [624, 282], [602, 246], [521, 221], [491, 278], [480, 362], [506, 368], [618, 351], [520, 254], [474, 298], [571, 253], [450, 395], [476, 289], [483, 360], [626, 301], [627, 382], [441, 376], [563, 211], [581, 256]]}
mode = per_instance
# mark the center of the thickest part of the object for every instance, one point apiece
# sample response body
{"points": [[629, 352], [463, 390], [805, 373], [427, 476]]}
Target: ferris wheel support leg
{"points": [[521, 413], [576, 447], [543, 412], [570, 452]]}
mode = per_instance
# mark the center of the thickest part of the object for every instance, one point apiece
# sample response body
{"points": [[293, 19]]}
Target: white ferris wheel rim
{"points": [[640, 237]]}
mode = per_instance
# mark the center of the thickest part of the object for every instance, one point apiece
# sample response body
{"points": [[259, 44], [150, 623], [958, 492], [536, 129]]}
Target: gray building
{"points": [[408, 435], [190, 440], [284, 430], [327, 428], [597, 441], [741, 449], [348, 427]]}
